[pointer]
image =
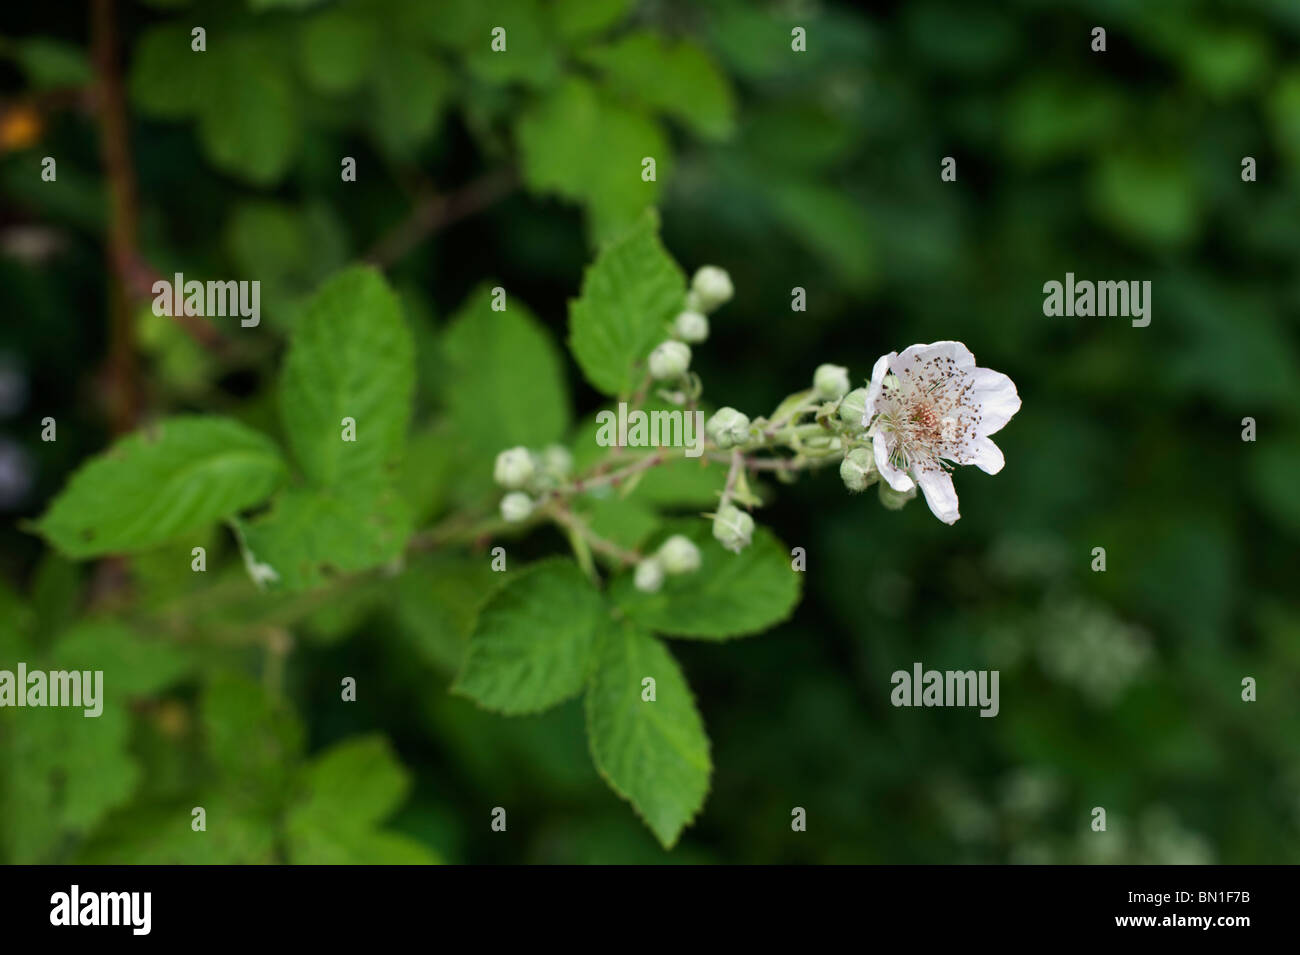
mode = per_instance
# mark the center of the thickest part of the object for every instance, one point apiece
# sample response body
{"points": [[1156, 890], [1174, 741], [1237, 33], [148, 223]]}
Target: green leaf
{"points": [[161, 835], [282, 4], [531, 56], [575, 20], [133, 665], [336, 49], [653, 754], [291, 250], [628, 295], [350, 788], [677, 78], [168, 79], [1284, 113], [164, 573], [154, 485], [351, 356], [312, 534], [798, 135], [61, 772], [16, 622], [50, 64], [731, 595], [249, 121], [314, 846], [253, 739], [1271, 470], [1055, 117], [583, 146], [531, 647], [1149, 198], [530, 53], [239, 90], [410, 88], [505, 377]]}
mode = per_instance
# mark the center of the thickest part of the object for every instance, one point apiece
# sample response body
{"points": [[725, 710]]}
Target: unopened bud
{"points": [[557, 460], [728, 428], [853, 407], [857, 470], [669, 360], [516, 506], [733, 528], [894, 500], [679, 555], [691, 327], [710, 287], [514, 467], [831, 381], [649, 576]]}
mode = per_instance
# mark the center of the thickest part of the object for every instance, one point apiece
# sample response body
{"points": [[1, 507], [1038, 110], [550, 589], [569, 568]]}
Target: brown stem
{"points": [[437, 212], [134, 276], [125, 395]]}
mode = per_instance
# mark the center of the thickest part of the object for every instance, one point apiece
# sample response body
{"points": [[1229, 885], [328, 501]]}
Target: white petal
{"points": [[996, 396], [940, 495], [895, 478], [877, 382], [959, 353], [985, 455]]}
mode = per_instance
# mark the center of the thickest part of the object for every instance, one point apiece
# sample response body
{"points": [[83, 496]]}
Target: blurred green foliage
{"points": [[817, 170]]}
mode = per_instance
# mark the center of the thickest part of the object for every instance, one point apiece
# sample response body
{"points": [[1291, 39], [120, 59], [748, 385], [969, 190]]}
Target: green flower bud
{"points": [[649, 575], [728, 428], [857, 470], [691, 327], [557, 461], [514, 468], [733, 528], [516, 506], [852, 407], [669, 360], [894, 500], [679, 555], [710, 287], [831, 381]]}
